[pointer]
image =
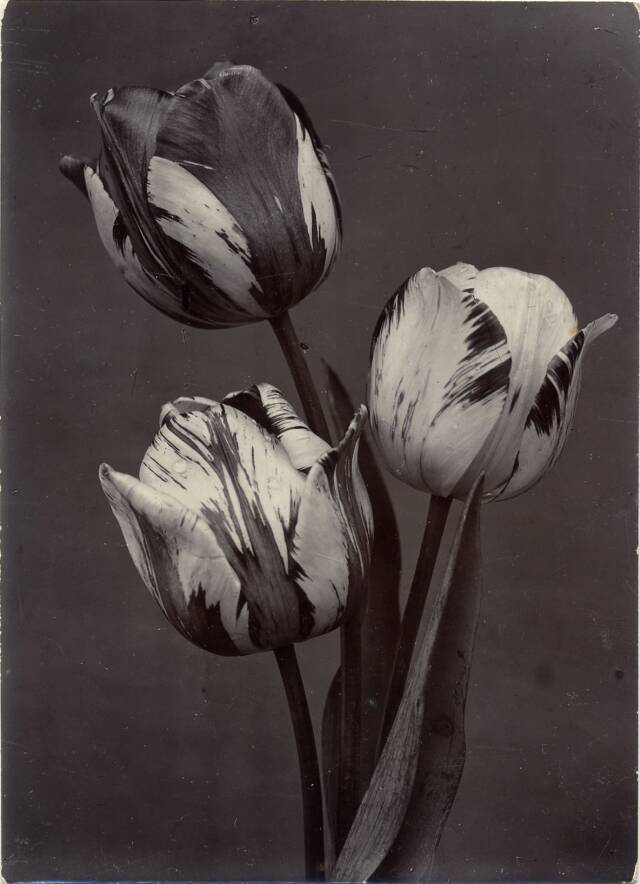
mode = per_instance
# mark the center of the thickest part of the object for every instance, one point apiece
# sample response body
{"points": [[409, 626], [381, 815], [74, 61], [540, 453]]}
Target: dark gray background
{"points": [[491, 133]]}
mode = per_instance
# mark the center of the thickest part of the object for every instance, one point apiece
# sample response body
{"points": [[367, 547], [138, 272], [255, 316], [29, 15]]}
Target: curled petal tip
{"points": [[105, 473], [114, 484], [183, 405], [601, 325], [72, 167], [167, 411], [98, 103], [218, 68], [68, 165], [425, 272], [358, 422]]}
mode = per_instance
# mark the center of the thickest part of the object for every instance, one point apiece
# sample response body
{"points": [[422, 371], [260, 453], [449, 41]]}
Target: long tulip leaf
{"points": [[381, 619], [443, 742], [413, 786]]}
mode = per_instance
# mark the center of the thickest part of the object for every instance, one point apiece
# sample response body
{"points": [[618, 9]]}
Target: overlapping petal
{"points": [[269, 408], [157, 290], [438, 381], [129, 118], [538, 319], [549, 420], [214, 250], [226, 467], [332, 539], [180, 562], [232, 143]]}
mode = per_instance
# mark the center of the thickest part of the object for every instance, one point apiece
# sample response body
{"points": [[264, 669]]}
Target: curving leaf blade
{"points": [[442, 741], [380, 624], [401, 817]]}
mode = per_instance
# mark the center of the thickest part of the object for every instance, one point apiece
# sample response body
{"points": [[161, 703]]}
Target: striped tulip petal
{"points": [[538, 319], [215, 249], [129, 119], [549, 420], [224, 466], [270, 205], [181, 563], [438, 382], [318, 199], [305, 124], [268, 407], [332, 539], [118, 245]]}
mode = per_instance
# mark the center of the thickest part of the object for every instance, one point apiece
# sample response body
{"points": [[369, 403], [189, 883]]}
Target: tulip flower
{"points": [[215, 202], [249, 530], [476, 372]]}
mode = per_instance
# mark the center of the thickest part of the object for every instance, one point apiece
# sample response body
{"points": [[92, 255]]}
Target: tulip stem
{"points": [[431, 540], [294, 354], [308, 760], [350, 726]]}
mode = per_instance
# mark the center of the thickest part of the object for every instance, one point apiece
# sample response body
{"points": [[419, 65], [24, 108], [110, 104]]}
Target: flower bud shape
{"points": [[249, 531], [215, 202], [476, 372]]}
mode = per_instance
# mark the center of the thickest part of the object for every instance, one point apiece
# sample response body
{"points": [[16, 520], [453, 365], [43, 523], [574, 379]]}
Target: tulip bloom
{"points": [[216, 201], [250, 532], [476, 372]]}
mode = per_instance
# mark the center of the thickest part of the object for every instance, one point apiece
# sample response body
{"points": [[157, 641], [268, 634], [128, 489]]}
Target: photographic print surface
{"points": [[492, 135]]}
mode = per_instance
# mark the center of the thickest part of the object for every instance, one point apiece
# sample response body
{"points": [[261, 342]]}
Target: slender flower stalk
{"points": [[308, 760], [349, 766], [251, 533], [293, 353], [431, 540], [349, 776]]}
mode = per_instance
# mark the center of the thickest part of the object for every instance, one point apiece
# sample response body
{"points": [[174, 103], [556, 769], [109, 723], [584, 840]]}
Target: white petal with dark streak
{"points": [[538, 319], [225, 467], [550, 418], [266, 405], [178, 557], [121, 253], [438, 381], [195, 217], [331, 545], [317, 200]]}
